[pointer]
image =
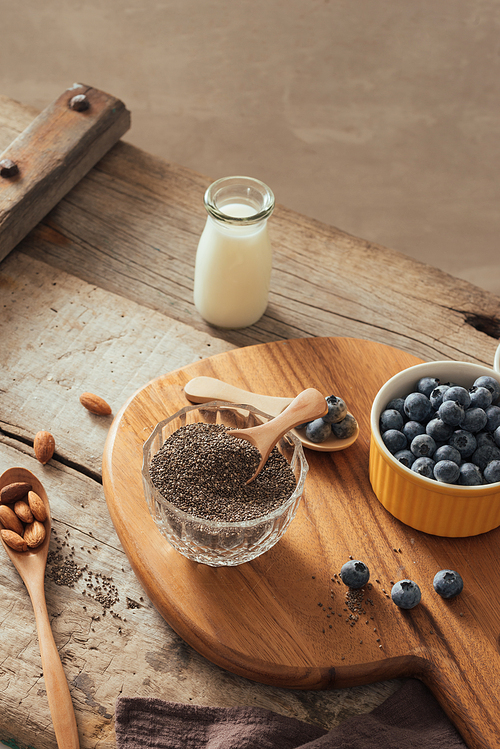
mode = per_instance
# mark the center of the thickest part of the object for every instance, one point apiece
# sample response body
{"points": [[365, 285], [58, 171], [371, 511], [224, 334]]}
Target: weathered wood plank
{"points": [[61, 337], [111, 639], [146, 220], [52, 154], [14, 118], [147, 216]]}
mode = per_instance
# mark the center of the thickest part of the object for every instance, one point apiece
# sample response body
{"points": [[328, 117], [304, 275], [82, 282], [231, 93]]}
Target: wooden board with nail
{"points": [[54, 152]]}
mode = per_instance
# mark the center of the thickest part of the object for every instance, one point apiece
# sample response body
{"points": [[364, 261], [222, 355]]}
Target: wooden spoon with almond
{"points": [[31, 564]]}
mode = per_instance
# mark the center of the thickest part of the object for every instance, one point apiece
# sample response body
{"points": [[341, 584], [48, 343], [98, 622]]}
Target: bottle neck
{"points": [[239, 201]]}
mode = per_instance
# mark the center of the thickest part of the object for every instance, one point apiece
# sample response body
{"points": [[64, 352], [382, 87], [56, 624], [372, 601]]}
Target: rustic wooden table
{"points": [[98, 297]]}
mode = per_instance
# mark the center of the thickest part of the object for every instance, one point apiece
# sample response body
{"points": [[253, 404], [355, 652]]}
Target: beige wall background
{"points": [[380, 117]]}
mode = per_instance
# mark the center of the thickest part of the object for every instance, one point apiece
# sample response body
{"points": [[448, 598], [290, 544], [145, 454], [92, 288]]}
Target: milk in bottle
{"points": [[234, 256]]}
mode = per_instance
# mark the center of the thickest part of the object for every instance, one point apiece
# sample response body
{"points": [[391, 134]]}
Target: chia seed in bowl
{"points": [[194, 475]]}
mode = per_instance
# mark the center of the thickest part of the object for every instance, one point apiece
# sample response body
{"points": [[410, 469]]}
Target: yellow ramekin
{"points": [[422, 503]]}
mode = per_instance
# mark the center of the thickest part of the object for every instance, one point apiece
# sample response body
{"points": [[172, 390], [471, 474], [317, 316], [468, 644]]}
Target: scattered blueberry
{"points": [[318, 430], [337, 410], [423, 446], [446, 471], [418, 407], [406, 457], [427, 384], [492, 472], [424, 467], [470, 475], [354, 574], [447, 452], [390, 419], [406, 594], [345, 428], [451, 412], [480, 397], [448, 583], [490, 384]]}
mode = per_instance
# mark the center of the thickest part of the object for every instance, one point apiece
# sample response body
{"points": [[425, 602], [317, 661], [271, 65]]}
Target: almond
{"points": [[9, 520], [12, 492], [37, 506], [95, 404], [23, 512], [34, 534], [14, 540], [44, 446]]}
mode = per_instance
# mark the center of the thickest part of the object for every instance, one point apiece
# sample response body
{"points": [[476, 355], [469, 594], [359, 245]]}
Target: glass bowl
{"points": [[212, 542], [440, 509]]}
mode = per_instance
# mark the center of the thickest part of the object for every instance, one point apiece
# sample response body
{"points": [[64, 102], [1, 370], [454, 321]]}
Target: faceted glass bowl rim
{"points": [[215, 525], [250, 183], [456, 371]]}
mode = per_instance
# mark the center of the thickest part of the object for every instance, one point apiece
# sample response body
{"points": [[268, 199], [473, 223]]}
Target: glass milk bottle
{"points": [[234, 257]]}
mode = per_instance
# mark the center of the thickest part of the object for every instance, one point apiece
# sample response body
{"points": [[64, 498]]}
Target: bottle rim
{"points": [[238, 189]]}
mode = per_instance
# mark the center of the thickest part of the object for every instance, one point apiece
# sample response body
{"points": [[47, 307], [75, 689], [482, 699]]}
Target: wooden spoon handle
{"points": [[58, 694], [310, 404], [204, 389]]}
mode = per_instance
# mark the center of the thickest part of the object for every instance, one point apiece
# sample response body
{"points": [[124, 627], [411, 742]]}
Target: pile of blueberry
{"points": [[446, 432], [405, 594], [337, 422]]}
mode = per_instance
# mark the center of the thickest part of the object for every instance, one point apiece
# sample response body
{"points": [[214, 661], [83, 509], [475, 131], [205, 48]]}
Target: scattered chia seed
{"points": [[202, 470], [61, 569]]}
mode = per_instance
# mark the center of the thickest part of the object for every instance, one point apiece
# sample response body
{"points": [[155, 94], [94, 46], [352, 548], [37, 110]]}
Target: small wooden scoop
{"points": [[205, 389], [31, 567], [308, 405]]}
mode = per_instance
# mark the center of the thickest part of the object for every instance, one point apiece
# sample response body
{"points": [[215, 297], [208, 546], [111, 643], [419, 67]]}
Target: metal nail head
{"points": [[8, 168], [79, 103]]}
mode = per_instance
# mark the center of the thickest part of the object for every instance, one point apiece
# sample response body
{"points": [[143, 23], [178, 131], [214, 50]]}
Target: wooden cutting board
{"points": [[284, 619]]}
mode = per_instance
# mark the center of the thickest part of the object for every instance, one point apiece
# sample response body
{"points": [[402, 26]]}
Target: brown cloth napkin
{"points": [[410, 719]]}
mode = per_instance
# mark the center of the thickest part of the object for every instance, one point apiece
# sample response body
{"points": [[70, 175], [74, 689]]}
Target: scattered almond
{"points": [[9, 520], [44, 446], [12, 492], [37, 506], [34, 534], [23, 512], [14, 540], [95, 404]]}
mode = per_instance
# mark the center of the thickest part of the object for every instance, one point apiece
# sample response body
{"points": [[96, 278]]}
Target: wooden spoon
{"points": [[31, 567], [205, 389], [308, 405]]}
